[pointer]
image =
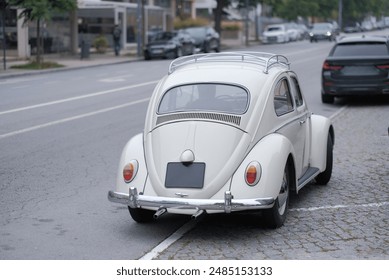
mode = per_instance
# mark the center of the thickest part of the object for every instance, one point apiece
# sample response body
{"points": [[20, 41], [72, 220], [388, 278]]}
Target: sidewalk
{"points": [[75, 62], [68, 61]]}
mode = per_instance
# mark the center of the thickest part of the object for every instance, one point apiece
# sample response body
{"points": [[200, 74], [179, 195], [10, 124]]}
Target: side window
{"points": [[298, 98], [282, 98]]}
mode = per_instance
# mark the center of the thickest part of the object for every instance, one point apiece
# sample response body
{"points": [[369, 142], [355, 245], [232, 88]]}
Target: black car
{"points": [[206, 38], [356, 66], [322, 31], [169, 44]]}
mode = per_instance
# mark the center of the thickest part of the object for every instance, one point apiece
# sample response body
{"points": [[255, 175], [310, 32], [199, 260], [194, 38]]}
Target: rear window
{"points": [[361, 49], [205, 97]]}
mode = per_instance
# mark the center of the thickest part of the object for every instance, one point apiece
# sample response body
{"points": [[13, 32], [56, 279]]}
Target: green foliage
{"points": [[178, 23], [327, 9], [100, 43], [43, 9]]}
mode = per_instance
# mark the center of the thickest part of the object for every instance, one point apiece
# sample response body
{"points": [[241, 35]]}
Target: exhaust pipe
{"points": [[200, 213], [159, 213]]}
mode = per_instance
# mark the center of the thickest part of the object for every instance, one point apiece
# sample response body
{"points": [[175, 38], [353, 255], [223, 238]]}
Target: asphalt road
{"points": [[61, 135]]}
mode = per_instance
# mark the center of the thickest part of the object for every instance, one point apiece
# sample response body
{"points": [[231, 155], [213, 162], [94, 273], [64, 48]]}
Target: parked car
{"points": [[206, 38], [275, 33], [352, 28], [169, 45], [303, 31], [293, 31], [356, 66], [322, 31], [224, 132]]}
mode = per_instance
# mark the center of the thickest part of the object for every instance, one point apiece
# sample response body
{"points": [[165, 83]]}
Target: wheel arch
{"points": [[321, 129], [292, 171]]}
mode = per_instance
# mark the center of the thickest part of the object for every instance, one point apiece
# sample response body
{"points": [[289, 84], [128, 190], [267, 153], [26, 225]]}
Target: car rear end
{"points": [[356, 67]]}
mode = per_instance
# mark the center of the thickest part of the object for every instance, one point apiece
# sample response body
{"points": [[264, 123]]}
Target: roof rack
{"points": [[267, 60]]}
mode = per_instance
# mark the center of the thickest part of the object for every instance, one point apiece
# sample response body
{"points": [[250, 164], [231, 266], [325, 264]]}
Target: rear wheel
{"points": [[275, 216], [324, 177], [328, 99], [141, 215]]}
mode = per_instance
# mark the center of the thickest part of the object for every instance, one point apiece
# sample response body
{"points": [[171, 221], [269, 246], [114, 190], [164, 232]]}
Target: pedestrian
{"points": [[116, 39]]}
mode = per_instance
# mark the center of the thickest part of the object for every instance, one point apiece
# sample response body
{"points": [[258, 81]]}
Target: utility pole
{"points": [[139, 21], [340, 11], [3, 6], [247, 22]]}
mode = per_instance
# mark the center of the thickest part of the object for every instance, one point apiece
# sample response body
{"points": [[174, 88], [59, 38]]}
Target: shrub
{"points": [[179, 24], [101, 44]]}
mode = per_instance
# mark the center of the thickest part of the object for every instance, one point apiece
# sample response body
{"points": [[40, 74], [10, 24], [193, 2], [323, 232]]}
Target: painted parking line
{"points": [[169, 241], [340, 206]]}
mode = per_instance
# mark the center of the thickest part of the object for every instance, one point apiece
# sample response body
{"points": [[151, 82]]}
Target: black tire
{"points": [[275, 216], [324, 177], [328, 99], [147, 56], [141, 215], [207, 48], [179, 52]]}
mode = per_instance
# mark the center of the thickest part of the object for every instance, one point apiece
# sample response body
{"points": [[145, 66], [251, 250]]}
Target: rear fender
{"points": [[272, 153], [321, 127], [132, 150]]}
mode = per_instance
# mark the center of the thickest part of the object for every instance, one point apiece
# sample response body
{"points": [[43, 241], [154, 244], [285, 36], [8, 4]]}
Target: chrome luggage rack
{"points": [[266, 60]]}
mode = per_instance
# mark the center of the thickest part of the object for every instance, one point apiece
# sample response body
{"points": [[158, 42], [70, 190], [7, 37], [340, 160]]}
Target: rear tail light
{"points": [[328, 66], [253, 173], [130, 170], [383, 67]]}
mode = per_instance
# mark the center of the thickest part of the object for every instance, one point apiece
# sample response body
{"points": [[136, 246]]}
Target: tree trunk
{"points": [[38, 43], [218, 12]]}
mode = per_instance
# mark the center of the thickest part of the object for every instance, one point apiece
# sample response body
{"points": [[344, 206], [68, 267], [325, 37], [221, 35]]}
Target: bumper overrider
{"points": [[229, 204]]}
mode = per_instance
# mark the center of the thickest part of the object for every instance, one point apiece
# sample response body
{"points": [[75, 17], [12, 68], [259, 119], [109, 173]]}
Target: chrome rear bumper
{"points": [[135, 200]]}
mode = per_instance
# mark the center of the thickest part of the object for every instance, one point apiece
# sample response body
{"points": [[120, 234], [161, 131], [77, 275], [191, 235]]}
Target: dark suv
{"points": [[356, 66], [206, 38]]}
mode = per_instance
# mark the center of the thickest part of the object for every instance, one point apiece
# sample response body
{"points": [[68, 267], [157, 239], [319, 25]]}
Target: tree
{"points": [[221, 4], [42, 10]]}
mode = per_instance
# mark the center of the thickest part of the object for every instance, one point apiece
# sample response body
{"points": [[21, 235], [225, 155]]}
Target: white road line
{"points": [[367, 205], [337, 113], [76, 98], [169, 241], [72, 118]]}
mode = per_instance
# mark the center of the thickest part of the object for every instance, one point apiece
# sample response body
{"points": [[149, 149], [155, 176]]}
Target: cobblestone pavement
{"points": [[347, 219]]}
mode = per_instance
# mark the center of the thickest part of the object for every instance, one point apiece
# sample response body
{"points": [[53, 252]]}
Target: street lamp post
{"points": [[3, 6], [340, 14]]}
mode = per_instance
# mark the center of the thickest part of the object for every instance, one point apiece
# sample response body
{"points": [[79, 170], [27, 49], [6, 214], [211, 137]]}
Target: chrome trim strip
{"points": [[228, 204], [199, 116]]}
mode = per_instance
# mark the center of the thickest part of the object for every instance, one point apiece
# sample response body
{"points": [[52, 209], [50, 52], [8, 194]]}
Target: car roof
{"points": [[362, 39]]}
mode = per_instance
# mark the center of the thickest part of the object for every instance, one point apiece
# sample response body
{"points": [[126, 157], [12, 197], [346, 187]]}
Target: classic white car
{"points": [[224, 132]]}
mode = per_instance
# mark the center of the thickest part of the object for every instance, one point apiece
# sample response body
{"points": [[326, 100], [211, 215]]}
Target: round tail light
{"points": [[253, 173], [130, 170]]}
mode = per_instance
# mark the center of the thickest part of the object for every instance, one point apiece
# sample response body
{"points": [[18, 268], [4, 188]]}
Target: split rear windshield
{"points": [[205, 97], [361, 49]]}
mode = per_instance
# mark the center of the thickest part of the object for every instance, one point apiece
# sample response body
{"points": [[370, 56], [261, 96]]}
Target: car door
{"points": [[293, 125], [304, 120]]}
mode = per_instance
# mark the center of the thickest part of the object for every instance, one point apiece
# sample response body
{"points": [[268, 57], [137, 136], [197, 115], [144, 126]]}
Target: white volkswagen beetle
{"points": [[224, 132]]}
